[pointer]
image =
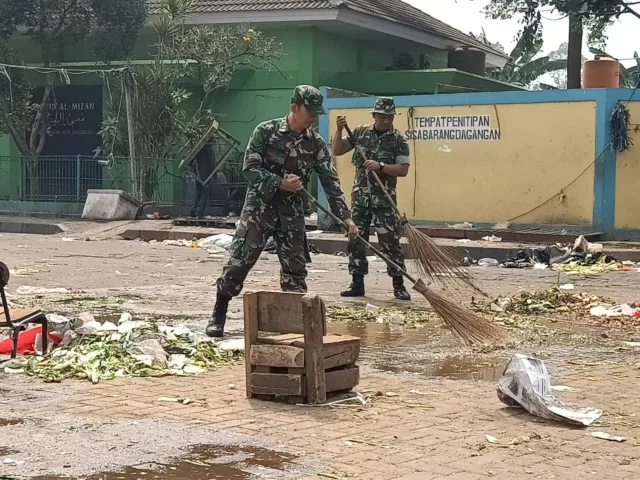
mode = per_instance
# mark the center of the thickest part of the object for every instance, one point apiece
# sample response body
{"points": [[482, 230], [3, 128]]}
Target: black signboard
{"points": [[67, 169]]}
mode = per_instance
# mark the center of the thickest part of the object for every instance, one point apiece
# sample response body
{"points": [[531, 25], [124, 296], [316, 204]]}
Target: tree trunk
{"points": [[574, 53], [33, 167]]}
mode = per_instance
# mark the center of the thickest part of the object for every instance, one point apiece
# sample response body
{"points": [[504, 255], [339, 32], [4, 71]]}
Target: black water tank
{"points": [[468, 59]]}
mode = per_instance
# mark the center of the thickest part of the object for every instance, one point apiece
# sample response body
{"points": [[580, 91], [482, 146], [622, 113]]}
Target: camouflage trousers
{"points": [[387, 228], [250, 238]]}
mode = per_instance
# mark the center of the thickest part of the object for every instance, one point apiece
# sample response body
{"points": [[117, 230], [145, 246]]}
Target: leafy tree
{"points": [[111, 28], [171, 98], [523, 68], [594, 15]]}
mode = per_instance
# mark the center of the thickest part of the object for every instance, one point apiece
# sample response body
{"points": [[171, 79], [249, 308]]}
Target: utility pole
{"points": [[574, 52]]}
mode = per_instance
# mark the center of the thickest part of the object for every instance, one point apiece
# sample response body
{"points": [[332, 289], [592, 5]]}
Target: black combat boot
{"points": [[398, 289], [356, 289], [215, 327]]}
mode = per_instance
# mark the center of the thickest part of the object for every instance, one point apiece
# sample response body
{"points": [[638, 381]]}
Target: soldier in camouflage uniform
{"points": [[387, 154], [279, 160]]}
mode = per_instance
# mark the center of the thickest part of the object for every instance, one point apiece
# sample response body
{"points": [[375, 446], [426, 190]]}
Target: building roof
{"points": [[396, 11]]}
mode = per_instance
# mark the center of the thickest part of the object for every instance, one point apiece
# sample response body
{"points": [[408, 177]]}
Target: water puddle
{"points": [[5, 422], [384, 334], [416, 350], [204, 462], [455, 368]]}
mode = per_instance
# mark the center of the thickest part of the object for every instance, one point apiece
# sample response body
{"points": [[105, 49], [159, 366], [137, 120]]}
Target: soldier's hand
{"points": [[353, 229], [341, 123], [291, 183], [372, 166]]}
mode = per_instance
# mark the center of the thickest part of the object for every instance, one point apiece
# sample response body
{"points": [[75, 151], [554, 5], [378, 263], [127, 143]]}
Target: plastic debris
{"points": [[125, 317], [235, 344], [27, 290], [491, 439], [371, 309], [608, 436], [488, 262], [568, 286], [526, 384], [222, 240], [492, 238]]}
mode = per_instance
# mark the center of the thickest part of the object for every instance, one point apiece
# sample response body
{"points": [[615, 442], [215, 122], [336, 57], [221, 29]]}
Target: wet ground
{"points": [[174, 285], [203, 462]]}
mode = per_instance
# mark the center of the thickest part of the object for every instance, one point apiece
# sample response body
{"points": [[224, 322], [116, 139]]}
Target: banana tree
{"points": [[523, 68]]}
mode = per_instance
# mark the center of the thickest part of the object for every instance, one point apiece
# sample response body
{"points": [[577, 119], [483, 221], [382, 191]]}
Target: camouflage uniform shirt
{"points": [[390, 148], [275, 151]]}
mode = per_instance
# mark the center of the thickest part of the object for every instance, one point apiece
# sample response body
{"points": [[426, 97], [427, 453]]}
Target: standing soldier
{"points": [[279, 160], [388, 155]]}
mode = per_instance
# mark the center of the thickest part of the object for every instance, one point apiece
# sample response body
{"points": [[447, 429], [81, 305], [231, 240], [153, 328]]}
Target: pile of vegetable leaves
{"points": [[108, 355]]}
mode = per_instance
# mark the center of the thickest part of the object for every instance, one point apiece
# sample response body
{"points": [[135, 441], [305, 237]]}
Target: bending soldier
{"points": [[279, 160]]}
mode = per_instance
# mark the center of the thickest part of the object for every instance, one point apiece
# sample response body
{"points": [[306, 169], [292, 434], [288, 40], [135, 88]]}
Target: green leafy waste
{"points": [[107, 355], [359, 314]]}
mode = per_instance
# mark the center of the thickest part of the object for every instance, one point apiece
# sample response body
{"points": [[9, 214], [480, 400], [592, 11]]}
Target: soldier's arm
{"points": [[401, 166], [259, 177], [328, 176], [341, 143]]}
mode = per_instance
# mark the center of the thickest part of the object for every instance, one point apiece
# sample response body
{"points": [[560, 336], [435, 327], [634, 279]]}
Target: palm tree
{"points": [[523, 68]]}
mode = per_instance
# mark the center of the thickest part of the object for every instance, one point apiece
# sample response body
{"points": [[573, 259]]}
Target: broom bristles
{"points": [[472, 329], [436, 262]]}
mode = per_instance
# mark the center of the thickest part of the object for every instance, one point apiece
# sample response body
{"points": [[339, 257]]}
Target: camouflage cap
{"points": [[310, 97], [385, 106]]}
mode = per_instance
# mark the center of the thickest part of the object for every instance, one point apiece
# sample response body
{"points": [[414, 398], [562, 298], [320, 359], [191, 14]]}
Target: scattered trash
{"points": [[397, 318], [340, 254], [235, 344], [526, 384], [501, 226], [608, 436], [562, 388], [26, 290], [28, 341], [491, 439], [488, 262], [183, 401], [371, 309], [391, 394], [68, 239], [492, 238], [221, 240], [568, 286], [23, 272], [125, 317], [623, 310], [460, 226], [582, 245], [232, 386], [554, 299], [381, 315], [113, 351], [524, 439]]}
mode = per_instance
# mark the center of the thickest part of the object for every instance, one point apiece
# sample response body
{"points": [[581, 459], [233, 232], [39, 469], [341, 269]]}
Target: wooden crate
{"points": [[304, 364]]}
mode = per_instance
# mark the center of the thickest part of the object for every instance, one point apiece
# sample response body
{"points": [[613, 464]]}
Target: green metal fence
{"points": [[66, 179]]}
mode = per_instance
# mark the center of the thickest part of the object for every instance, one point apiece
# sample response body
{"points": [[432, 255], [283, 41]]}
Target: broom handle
{"points": [[375, 174], [388, 261]]}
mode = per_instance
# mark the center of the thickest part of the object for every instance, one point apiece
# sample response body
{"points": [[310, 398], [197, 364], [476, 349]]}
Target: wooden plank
{"points": [[250, 301], [280, 312], [277, 356], [342, 379], [343, 358], [313, 319], [333, 344], [285, 339], [278, 382]]}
